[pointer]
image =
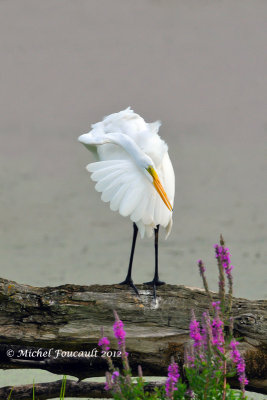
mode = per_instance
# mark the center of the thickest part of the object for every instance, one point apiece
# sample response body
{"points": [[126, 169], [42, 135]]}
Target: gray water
{"points": [[199, 67]]}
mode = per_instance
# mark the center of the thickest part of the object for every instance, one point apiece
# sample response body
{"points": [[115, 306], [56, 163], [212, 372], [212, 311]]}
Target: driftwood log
{"points": [[51, 390], [57, 328]]}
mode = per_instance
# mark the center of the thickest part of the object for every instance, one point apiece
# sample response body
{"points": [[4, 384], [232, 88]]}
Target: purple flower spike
{"points": [[240, 364], [222, 253], [173, 376], [195, 332], [104, 343], [206, 332], [202, 269], [189, 355], [119, 332], [217, 334], [115, 376], [111, 380], [216, 305]]}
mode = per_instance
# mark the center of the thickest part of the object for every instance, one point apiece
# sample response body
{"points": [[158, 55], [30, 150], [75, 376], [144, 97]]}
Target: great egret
{"points": [[135, 175]]}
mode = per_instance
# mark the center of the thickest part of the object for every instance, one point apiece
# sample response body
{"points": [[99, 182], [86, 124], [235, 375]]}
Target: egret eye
{"points": [[148, 174]]}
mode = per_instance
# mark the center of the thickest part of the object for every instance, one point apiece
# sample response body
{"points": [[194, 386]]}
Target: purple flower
{"points": [[119, 333], [216, 305], [104, 343], [234, 353], [189, 355], [190, 360], [115, 375], [173, 376], [240, 364], [195, 332], [111, 380], [217, 333], [206, 332], [217, 328], [223, 255], [202, 269]]}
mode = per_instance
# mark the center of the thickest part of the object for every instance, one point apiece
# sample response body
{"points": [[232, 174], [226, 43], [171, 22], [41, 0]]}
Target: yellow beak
{"points": [[159, 187]]}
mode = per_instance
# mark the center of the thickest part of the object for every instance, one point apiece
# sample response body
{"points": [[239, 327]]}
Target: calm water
{"points": [[200, 67]]}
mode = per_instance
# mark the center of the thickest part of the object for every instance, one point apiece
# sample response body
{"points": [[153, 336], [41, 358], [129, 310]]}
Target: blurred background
{"points": [[198, 66]]}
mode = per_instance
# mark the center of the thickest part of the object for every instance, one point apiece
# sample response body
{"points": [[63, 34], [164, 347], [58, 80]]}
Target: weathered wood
{"points": [[51, 390], [70, 317]]}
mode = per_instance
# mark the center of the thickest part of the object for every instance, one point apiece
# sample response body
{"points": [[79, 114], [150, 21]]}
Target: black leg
{"points": [[128, 280], [156, 281]]}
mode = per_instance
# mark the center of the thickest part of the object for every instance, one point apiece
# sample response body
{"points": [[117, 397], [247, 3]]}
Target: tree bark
{"points": [[69, 318], [51, 390]]}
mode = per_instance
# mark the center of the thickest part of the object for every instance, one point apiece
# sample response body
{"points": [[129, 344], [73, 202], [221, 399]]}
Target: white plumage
{"points": [[131, 156]]}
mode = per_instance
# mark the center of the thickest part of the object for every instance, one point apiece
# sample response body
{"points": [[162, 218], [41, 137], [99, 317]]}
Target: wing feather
{"points": [[149, 211], [124, 185], [100, 173], [110, 191], [131, 200], [128, 191], [107, 181], [139, 211], [118, 196]]}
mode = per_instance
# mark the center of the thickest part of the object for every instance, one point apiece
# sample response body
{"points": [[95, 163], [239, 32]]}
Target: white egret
{"points": [[134, 174]]}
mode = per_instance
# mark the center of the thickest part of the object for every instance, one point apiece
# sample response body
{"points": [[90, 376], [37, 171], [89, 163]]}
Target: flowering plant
{"points": [[205, 368]]}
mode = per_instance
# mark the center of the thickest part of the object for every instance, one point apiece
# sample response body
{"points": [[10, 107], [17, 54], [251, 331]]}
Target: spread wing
{"points": [[122, 183], [125, 187], [129, 192]]}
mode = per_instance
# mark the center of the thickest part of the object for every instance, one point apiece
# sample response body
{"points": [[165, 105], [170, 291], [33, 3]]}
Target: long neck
{"points": [[128, 144]]}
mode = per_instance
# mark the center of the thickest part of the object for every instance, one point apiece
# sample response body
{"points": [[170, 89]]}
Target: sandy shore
{"points": [[200, 67]]}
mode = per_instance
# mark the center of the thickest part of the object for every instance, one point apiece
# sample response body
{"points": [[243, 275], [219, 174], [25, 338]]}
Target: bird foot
{"points": [[130, 283], [155, 282]]}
